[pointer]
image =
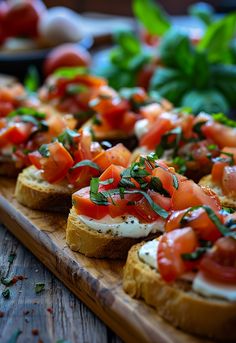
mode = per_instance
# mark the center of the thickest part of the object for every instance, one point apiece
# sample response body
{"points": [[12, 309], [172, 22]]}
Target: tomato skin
{"points": [[166, 178], [217, 171], [112, 172], [220, 263], [56, 166], [171, 246], [194, 195], [229, 180], [153, 137], [118, 155], [22, 18], [66, 55], [121, 206], [84, 206], [220, 134], [35, 158]]}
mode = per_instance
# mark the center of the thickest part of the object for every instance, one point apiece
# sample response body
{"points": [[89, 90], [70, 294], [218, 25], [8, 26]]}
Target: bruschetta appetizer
{"points": [[124, 206], [70, 90], [223, 177], [21, 132], [189, 273], [12, 96], [63, 166]]}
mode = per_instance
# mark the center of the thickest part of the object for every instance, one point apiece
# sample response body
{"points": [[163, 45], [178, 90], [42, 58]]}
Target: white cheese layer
{"points": [[148, 253], [209, 288], [201, 285], [125, 226]]}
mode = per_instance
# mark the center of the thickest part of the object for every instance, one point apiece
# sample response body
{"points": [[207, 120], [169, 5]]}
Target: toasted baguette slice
{"points": [[225, 200], [36, 193], [92, 243], [177, 303]]}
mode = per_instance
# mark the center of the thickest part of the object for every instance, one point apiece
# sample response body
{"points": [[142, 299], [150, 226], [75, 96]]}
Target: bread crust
{"points": [[91, 243], [225, 200], [177, 303], [38, 194]]}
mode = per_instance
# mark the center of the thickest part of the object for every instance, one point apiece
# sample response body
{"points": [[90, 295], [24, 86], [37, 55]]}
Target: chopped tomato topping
{"points": [[57, 164], [220, 134], [229, 180], [190, 194], [112, 173], [171, 246], [220, 263]]}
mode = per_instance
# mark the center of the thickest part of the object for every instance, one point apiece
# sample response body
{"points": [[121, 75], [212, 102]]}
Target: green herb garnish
{"points": [[70, 72], [86, 163], [67, 138], [44, 151], [39, 287], [195, 255]]}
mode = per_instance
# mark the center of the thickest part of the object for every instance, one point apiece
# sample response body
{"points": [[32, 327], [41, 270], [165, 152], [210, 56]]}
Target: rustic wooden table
{"points": [[30, 314]]}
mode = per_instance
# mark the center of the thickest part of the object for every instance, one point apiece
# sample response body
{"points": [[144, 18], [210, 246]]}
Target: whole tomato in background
{"points": [[22, 17], [66, 55]]}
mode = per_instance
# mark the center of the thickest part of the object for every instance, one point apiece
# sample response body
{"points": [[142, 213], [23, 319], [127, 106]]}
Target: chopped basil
{"points": [[86, 163], [73, 89], [224, 230], [11, 257], [222, 119], [96, 121], [27, 111], [195, 255], [181, 164], [197, 128], [67, 137], [175, 181], [96, 197], [44, 150], [106, 182], [6, 293], [39, 287], [230, 155], [157, 186], [70, 72]]}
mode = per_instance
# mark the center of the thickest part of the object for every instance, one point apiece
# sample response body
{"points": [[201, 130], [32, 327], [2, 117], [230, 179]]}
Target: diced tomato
{"points": [[83, 150], [220, 263], [56, 124], [151, 112], [229, 180], [153, 137], [198, 220], [16, 133], [57, 164], [121, 206], [5, 108], [171, 246], [118, 155], [112, 172], [81, 177], [166, 178], [220, 134], [35, 158], [217, 171], [129, 119], [190, 194], [84, 205]]}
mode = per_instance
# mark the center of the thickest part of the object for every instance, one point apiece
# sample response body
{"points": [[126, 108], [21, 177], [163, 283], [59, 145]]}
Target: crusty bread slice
{"points": [[177, 303], [225, 200], [95, 244], [36, 193]]}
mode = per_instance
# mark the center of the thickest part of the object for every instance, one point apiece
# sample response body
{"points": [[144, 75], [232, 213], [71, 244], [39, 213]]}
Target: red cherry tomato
{"points": [[22, 18], [66, 55]]}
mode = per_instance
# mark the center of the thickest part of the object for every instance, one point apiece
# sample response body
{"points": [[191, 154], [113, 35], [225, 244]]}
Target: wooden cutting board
{"points": [[98, 283]]}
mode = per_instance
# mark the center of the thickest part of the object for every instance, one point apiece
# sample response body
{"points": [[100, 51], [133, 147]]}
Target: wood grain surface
{"points": [[98, 283], [47, 317]]}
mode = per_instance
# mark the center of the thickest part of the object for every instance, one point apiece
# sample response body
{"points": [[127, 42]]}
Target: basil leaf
{"points": [[128, 42], [170, 84], [70, 72], [221, 31], [176, 51], [210, 101], [106, 182], [152, 16], [222, 119], [43, 150], [195, 255], [157, 186], [86, 163], [27, 111], [96, 197], [203, 11], [39, 287], [73, 89], [224, 79], [175, 181], [67, 137], [32, 79]]}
